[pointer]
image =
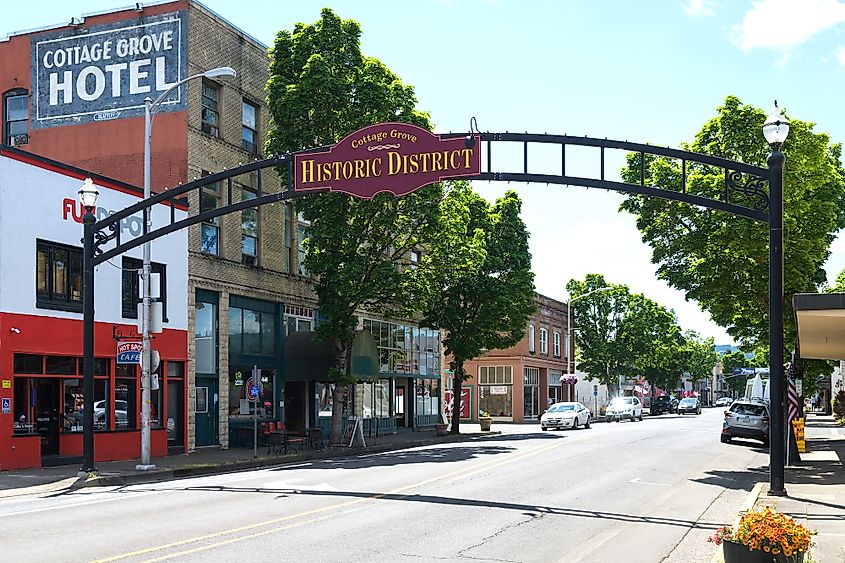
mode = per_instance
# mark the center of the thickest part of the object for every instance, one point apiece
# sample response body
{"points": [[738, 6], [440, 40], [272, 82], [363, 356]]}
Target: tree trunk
{"points": [[339, 397], [457, 383]]}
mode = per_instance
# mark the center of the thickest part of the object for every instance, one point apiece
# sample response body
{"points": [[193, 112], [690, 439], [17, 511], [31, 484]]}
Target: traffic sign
{"points": [[252, 393]]}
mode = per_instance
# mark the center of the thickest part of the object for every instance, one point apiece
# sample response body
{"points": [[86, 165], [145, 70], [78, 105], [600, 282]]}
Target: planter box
{"points": [[738, 553], [485, 423], [440, 429]]}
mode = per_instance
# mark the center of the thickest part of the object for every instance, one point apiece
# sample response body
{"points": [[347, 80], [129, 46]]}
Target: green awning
{"points": [[307, 359]]}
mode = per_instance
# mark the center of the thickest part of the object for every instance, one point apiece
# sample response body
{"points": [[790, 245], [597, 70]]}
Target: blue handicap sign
{"points": [[7, 405], [253, 392], [595, 393]]}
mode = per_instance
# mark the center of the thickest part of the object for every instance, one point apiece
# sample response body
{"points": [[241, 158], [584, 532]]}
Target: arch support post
{"points": [[776, 382]]}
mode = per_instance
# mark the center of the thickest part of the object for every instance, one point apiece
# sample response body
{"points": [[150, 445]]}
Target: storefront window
{"points": [[73, 414], [125, 405], [206, 337], [324, 391], [239, 404], [175, 403]]}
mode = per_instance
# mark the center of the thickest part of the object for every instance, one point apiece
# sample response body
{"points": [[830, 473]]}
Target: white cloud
{"points": [[696, 8], [840, 55], [785, 24]]}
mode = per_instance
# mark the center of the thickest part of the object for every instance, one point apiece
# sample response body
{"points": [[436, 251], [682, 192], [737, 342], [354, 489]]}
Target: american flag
{"points": [[791, 395]]}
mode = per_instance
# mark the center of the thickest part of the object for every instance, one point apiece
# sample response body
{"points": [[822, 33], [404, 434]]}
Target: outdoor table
{"points": [[282, 438]]}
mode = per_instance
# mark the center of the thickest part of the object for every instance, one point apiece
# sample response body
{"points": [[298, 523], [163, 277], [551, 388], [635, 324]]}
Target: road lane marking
{"points": [[639, 481], [333, 508]]}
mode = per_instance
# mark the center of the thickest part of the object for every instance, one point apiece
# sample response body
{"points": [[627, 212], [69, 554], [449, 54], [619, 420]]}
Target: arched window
{"points": [[16, 117]]}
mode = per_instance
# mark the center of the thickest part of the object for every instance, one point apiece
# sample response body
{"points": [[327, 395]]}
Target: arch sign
{"points": [[387, 157]]}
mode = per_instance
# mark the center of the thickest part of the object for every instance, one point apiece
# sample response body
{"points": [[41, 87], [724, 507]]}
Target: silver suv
{"points": [[746, 419]]}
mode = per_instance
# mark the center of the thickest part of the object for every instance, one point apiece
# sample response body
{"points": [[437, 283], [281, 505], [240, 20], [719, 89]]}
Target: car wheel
{"points": [[575, 423], [587, 424], [725, 438], [641, 416], [544, 428]]}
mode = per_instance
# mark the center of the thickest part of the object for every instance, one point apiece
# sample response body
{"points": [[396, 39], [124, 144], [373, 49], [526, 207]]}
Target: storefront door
{"points": [[400, 399], [530, 401], [295, 405], [206, 417], [175, 415], [47, 415]]}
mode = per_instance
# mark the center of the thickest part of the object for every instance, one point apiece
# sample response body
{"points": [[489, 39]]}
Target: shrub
{"points": [[838, 404]]}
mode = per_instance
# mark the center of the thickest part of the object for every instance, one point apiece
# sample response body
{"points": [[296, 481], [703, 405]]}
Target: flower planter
{"points": [[485, 422], [440, 429], [738, 553]]}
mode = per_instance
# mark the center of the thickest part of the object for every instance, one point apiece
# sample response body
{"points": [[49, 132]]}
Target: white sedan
{"points": [[625, 407], [565, 415]]}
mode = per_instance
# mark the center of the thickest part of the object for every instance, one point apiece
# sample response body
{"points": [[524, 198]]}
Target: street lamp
{"points": [[88, 198], [775, 130], [569, 340], [150, 109]]}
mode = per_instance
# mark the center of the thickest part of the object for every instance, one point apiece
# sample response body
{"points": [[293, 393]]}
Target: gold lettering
{"points": [[347, 169], [394, 161], [359, 169], [435, 161], [425, 158], [414, 161], [327, 172], [453, 159], [307, 171], [467, 155], [375, 167]]}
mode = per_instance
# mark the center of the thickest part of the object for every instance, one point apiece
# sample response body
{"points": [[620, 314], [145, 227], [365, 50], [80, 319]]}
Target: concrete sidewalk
{"points": [[815, 489], [206, 461]]}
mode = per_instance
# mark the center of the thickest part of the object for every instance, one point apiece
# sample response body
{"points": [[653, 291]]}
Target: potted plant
{"points": [[764, 536], [485, 420]]}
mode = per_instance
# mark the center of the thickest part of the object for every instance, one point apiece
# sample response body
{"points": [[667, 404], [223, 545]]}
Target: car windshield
{"points": [[621, 401], [688, 401], [745, 408], [561, 408]]}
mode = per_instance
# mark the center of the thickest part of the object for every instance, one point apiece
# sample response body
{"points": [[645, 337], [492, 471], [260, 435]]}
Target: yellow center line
{"points": [[457, 473]]}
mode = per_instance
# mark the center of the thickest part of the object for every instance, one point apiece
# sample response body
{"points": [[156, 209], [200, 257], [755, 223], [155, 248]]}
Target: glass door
{"points": [[531, 395]]}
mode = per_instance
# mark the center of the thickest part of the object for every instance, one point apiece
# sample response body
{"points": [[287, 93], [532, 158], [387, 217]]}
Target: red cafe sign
{"points": [[393, 157]]}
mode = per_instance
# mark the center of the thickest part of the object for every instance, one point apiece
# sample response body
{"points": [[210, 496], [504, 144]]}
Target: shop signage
{"points": [[498, 389], [239, 378], [397, 158], [7, 384], [105, 72], [129, 352], [466, 402]]}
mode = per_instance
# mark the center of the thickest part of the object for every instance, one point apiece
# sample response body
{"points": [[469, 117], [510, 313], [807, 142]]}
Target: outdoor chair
{"points": [[314, 438]]}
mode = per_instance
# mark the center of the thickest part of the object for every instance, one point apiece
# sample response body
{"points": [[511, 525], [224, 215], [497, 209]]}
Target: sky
{"points": [[639, 71]]}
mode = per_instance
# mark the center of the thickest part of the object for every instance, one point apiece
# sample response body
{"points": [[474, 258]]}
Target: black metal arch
{"points": [[740, 179]]}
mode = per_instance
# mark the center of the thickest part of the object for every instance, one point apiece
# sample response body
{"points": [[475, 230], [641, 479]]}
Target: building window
{"points": [[404, 348], [415, 259], [531, 338], [252, 331], [249, 231], [301, 236], [289, 238], [249, 133], [58, 276], [210, 109], [556, 343], [544, 341], [298, 318], [16, 118], [205, 332], [131, 287], [210, 228], [495, 390]]}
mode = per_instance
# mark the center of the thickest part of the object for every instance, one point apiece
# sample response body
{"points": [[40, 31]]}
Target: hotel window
{"points": [[58, 276], [131, 287], [556, 344], [210, 108], [210, 229], [531, 338], [249, 231], [544, 341], [16, 118], [248, 128]]}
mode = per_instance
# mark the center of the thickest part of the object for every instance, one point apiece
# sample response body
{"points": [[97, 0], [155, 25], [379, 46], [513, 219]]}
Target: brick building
{"points": [[75, 93], [516, 384]]}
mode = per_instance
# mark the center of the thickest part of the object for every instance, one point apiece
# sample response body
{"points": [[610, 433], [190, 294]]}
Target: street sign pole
{"points": [[252, 393]]}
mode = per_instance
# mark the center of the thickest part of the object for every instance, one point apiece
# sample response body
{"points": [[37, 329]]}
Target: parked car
{"points": [[565, 415], [724, 402], [746, 419], [689, 404], [624, 407], [662, 404]]}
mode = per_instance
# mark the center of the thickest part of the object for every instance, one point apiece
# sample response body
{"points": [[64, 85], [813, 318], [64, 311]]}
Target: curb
{"points": [[117, 479], [70, 483], [747, 505]]}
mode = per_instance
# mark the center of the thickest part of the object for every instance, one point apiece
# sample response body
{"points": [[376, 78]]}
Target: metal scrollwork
{"points": [[753, 187], [101, 238]]}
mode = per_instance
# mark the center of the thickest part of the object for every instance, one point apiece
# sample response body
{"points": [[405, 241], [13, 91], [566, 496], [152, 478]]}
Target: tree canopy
{"points": [[476, 281], [321, 88], [721, 261]]}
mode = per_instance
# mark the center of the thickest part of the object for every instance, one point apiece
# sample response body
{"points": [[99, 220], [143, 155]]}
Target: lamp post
{"points": [[570, 348], [88, 198], [775, 130], [150, 109]]}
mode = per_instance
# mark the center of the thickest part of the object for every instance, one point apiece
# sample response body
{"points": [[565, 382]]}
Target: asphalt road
{"points": [[646, 491]]}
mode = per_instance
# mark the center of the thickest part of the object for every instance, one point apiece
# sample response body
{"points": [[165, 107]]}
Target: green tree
{"points": [[476, 280], [721, 261], [701, 356], [656, 343], [322, 88]]}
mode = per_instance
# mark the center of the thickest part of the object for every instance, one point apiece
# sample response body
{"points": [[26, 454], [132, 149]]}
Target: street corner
{"points": [[52, 487]]}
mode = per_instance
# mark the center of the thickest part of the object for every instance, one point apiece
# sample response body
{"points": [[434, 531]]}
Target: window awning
{"points": [[307, 359], [821, 325]]}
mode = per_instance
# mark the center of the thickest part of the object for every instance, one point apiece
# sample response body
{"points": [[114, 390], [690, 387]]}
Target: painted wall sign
{"points": [[129, 352], [387, 157], [105, 72]]}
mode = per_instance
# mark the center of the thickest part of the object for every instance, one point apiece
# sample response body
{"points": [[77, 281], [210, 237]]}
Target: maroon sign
{"points": [[387, 157]]}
